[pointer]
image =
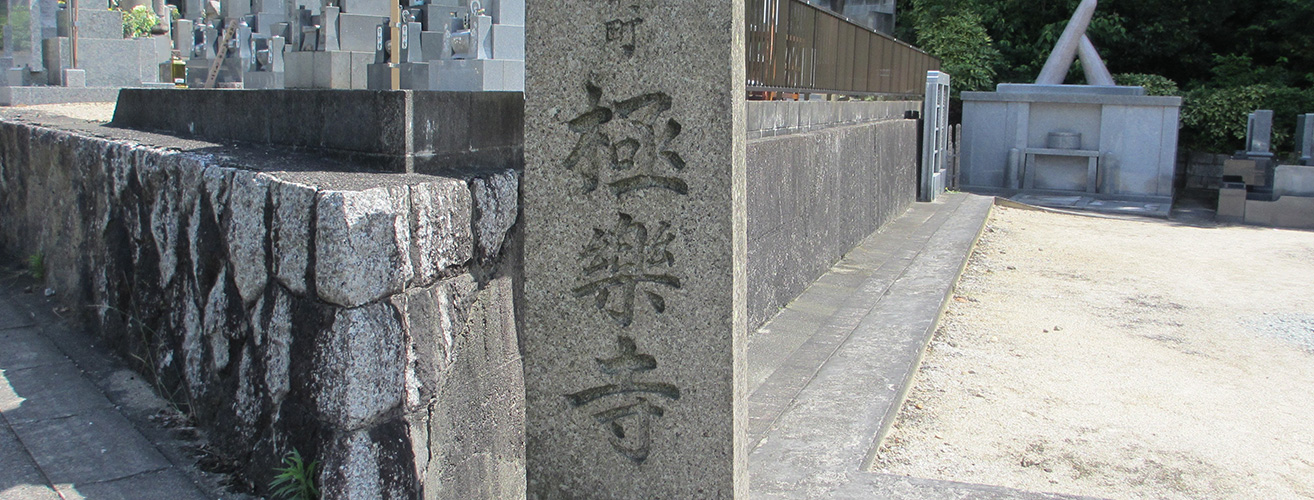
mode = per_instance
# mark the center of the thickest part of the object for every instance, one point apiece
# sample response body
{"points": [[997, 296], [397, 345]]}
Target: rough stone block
{"points": [[495, 202], [293, 205], [247, 233], [434, 318], [360, 367], [362, 245], [440, 228]]}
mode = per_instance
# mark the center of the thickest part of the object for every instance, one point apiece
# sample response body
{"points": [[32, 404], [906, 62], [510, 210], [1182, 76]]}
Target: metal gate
{"points": [[935, 136]]}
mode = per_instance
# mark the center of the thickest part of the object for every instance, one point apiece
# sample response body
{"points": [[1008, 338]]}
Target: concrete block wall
{"points": [[773, 118], [365, 320], [812, 196], [395, 131]]}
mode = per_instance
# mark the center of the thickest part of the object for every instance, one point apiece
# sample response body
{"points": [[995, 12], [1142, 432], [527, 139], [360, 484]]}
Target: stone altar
{"points": [[1100, 140]]}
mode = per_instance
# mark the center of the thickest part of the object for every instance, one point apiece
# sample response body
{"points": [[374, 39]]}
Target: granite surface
{"points": [[634, 208]]}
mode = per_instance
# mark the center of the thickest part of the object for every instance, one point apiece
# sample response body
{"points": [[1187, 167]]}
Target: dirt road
{"points": [[1121, 359]]}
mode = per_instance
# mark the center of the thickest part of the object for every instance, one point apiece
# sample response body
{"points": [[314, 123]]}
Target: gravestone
{"points": [[1259, 132], [634, 316], [1305, 139]]}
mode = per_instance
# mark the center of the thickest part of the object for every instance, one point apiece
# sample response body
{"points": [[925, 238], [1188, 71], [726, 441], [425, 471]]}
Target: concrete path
{"points": [[827, 375], [61, 436]]}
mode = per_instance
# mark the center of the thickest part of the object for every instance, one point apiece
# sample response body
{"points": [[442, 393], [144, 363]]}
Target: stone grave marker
{"points": [[1305, 139], [634, 311], [1259, 132]]}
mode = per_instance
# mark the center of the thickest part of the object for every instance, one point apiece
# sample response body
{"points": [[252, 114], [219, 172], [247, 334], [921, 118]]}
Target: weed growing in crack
{"points": [[36, 266], [296, 480]]}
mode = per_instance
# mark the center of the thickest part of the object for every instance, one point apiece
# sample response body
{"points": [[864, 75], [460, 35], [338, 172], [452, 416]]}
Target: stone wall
{"points": [[814, 195], [366, 320]]}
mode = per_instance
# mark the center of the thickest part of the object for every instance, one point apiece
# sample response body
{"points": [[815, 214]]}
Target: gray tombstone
{"points": [[634, 330], [1305, 139], [183, 37], [329, 28], [1259, 132]]}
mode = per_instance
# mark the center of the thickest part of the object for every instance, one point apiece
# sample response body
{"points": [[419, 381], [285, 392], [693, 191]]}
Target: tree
{"points": [[965, 50]]}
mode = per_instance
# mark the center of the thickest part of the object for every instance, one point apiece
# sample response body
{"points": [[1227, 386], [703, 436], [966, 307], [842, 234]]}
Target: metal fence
{"points": [[796, 47]]}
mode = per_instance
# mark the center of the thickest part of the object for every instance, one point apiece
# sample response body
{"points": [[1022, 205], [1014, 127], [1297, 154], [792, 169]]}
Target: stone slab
{"points": [[13, 317], [634, 311], [93, 23], [356, 31], [332, 70], [1293, 180], [1035, 88], [495, 142], [368, 7], [159, 485], [20, 479], [97, 446], [22, 348], [508, 42], [48, 391]]}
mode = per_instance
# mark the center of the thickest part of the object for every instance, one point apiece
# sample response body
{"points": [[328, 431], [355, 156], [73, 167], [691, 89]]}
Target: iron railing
{"points": [[796, 47]]}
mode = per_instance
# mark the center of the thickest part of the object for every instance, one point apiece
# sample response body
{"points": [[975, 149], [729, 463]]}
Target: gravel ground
{"points": [[1121, 359], [92, 111]]}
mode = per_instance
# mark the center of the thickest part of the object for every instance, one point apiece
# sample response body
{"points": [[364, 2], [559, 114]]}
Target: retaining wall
{"points": [[816, 190], [366, 320]]}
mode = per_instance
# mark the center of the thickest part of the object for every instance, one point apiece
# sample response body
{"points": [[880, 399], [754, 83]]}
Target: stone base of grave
{"points": [[477, 75], [332, 69], [29, 96]]}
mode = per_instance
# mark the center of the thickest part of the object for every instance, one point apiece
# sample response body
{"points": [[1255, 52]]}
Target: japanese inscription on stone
{"points": [[629, 418], [625, 145]]}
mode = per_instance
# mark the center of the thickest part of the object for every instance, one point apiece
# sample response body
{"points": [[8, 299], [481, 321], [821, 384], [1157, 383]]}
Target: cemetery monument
{"points": [[1098, 141]]}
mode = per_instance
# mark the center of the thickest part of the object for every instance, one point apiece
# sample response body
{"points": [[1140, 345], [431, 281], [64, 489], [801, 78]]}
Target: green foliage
{"points": [[36, 265], [965, 49], [139, 22], [1214, 119], [296, 480], [174, 15], [1154, 84], [1225, 58]]}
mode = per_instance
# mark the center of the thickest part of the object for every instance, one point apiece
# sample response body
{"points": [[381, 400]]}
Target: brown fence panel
{"points": [[795, 47]]}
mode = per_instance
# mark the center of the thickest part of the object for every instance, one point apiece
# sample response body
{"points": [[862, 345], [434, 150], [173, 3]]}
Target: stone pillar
{"points": [[1065, 50], [1091, 64], [634, 310]]}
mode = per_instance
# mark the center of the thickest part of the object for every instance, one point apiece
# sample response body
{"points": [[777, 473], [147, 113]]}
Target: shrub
{"points": [[1214, 119], [139, 22], [1154, 84]]}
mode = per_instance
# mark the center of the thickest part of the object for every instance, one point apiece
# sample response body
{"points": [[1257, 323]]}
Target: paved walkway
{"points": [[61, 436], [827, 375]]}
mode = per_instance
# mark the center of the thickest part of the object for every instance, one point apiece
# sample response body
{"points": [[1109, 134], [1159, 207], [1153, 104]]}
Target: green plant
{"points": [[36, 265], [139, 21], [965, 49], [1154, 84], [296, 480], [174, 15]]}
